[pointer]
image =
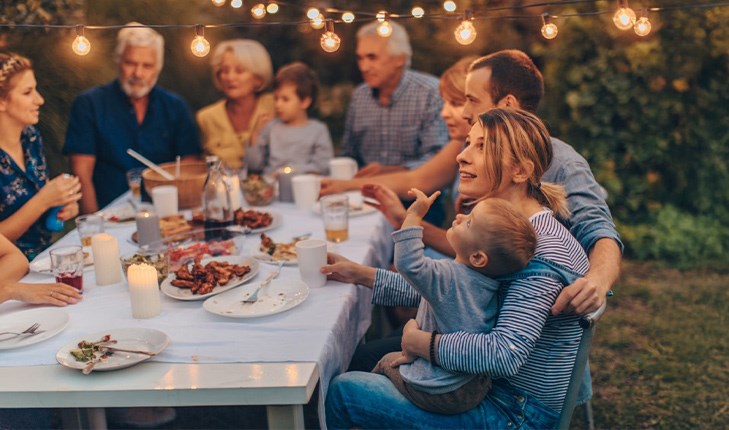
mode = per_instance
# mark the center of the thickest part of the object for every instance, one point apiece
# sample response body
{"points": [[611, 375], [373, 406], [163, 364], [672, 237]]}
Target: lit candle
{"points": [[105, 249], [143, 291], [285, 192], [147, 228]]}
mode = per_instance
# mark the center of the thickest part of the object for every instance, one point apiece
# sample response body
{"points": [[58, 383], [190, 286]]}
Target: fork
{"points": [[31, 331], [253, 298]]}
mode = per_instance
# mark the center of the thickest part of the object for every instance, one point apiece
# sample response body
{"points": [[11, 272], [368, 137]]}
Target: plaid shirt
{"points": [[407, 132]]}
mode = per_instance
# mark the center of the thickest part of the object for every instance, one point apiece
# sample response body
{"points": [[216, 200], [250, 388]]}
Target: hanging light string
{"points": [[623, 16]]}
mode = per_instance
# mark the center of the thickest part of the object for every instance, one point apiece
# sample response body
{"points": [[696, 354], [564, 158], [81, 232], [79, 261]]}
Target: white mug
{"points": [[342, 168], [312, 255], [164, 198], [306, 190]]}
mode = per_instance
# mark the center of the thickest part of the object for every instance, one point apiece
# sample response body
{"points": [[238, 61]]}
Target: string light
{"points": [[348, 17], [272, 8], [219, 3], [418, 12], [466, 33], [258, 11], [329, 40], [81, 45], [642, 26], [236, 4], [317, 23], [312, 13], [624, 17], [385, 28], [200, 47], [549, 29], [449, 6], [381, 15]]}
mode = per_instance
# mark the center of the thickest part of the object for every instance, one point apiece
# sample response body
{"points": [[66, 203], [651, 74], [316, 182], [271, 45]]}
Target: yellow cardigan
{"points": [[218, 135]]}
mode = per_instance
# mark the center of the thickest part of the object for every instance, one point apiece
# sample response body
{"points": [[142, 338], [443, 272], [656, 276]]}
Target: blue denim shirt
{"points": [[103, 123], [19, 186]]}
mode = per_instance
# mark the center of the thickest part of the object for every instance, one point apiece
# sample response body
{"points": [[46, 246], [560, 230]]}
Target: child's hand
{"points": [[422, 202]]}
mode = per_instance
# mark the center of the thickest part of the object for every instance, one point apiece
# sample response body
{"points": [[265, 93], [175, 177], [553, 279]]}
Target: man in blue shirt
{"points": [[393, 122], [130, 112]]}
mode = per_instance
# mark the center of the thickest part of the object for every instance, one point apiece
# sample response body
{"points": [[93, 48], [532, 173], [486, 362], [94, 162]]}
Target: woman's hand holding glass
{"points": [[63, 190], [55, 294]]}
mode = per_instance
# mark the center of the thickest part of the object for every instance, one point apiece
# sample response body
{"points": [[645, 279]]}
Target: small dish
{"points": [[52, 321], [279, 296], [141, 339], [185, 294]]}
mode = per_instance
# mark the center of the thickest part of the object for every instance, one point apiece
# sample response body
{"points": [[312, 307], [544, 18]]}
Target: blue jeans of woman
{"points": [[369, 400]]}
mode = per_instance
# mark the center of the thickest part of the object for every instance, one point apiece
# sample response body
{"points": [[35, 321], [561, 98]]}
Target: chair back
{"points": [[587, 323]]}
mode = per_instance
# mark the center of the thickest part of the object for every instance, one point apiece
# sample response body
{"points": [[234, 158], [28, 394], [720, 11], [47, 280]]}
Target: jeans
{"points": [[369, 400]]}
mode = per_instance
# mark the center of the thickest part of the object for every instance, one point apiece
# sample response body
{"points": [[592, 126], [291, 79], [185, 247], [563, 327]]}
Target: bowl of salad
{"points": [[258, 190]]}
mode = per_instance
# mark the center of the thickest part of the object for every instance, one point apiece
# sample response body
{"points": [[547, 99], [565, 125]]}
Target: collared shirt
{"points": [[406, 132], [103, 124], [19, 186]]}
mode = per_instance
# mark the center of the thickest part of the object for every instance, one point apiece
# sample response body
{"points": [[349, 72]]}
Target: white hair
{"points": [[397, 44], [251, 54], [141, 37]]}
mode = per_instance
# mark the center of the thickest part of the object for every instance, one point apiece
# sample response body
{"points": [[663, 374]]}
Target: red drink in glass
{"points": [[72, 279]]}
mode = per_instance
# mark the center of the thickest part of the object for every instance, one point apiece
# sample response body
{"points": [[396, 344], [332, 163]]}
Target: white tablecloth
{"points": [[324, 329]]}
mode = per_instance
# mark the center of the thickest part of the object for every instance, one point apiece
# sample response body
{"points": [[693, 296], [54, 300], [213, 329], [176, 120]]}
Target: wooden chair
{"points": [[587, 323]]}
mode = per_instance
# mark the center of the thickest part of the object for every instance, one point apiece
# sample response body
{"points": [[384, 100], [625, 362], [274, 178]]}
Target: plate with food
{"points": [[279, 296], [186, 253], [42, 264], [50, 322], [207, 277], [112, 349], [272, 252], [119, 214], [257, 220]]}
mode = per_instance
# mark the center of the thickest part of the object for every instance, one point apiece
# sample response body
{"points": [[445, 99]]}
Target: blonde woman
{"points": [[242, 70]]}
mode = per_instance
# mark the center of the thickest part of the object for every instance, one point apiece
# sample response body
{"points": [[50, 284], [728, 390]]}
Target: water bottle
{"points": [[52, 221], [216, 201]]}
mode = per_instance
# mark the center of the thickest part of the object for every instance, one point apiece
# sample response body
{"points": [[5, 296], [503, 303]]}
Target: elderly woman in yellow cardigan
{"points": [[242, 70]]}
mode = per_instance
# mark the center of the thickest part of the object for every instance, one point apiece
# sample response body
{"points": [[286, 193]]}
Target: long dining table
{"points": [[274, 360]]}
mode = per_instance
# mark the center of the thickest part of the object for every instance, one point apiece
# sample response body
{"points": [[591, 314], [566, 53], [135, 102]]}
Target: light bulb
{"points": [[200, 47], [219, 3], [236, 4], [624, 18], [81, 45], [272, 8], [549, 31], [347, 17], [384, 29], [312, 13], [449, 6], [642, 26], [317, 23], [381, 15], [330, 41], [258, 11], [465, 33], [418, 12]]}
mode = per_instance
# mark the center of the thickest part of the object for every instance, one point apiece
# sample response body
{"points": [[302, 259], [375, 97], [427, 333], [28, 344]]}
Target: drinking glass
{"points": [[335, 212], [87, 226], [67, 264], [134, 180]]}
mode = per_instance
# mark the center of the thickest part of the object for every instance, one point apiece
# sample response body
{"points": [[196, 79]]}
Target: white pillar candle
{"points": [[234, 192], [106, 259], [147, 228], [285, 192], [143, 291]]}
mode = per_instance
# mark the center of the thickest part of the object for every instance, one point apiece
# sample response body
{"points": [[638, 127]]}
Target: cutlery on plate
{"points": [[30, 331], [132, 351], [253, 298], [301, 237]]}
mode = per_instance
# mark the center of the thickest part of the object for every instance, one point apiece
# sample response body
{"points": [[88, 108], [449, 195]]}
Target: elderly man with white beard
{"points": [[130, 112]]}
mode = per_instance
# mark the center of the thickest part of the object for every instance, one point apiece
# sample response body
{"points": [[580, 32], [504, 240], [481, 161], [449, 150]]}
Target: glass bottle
{"points": [[216, 201]]}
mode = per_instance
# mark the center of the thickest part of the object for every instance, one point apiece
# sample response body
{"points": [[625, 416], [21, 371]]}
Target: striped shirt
{"points": [[532, 349], [406, 132]]}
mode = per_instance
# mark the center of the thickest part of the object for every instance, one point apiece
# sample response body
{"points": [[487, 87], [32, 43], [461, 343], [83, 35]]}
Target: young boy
{"points": [[292, 138], [457, 295]]}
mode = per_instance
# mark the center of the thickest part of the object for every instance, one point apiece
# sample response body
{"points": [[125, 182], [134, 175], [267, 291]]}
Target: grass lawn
{"points": [[660, 357]]}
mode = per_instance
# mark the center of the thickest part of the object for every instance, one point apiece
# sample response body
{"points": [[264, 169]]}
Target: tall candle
{"points": [[143, 291], [105, 249], [147, 228], [285, 191], [234, 192]]}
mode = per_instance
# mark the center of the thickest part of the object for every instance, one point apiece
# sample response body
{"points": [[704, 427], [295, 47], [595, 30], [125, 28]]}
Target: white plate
{"points": [[118, 215], [185, 294], [143, 339], [52, 320], [365, 209], [268, 259], [279, 296], [43, 264], [276, 221]]}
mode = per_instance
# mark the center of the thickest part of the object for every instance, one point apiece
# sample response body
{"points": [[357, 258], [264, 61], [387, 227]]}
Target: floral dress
{"points": [[19, 186]]}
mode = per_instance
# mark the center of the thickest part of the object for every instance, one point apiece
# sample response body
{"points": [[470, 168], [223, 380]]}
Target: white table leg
{"points": [[285, 417], [97, 418]]}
